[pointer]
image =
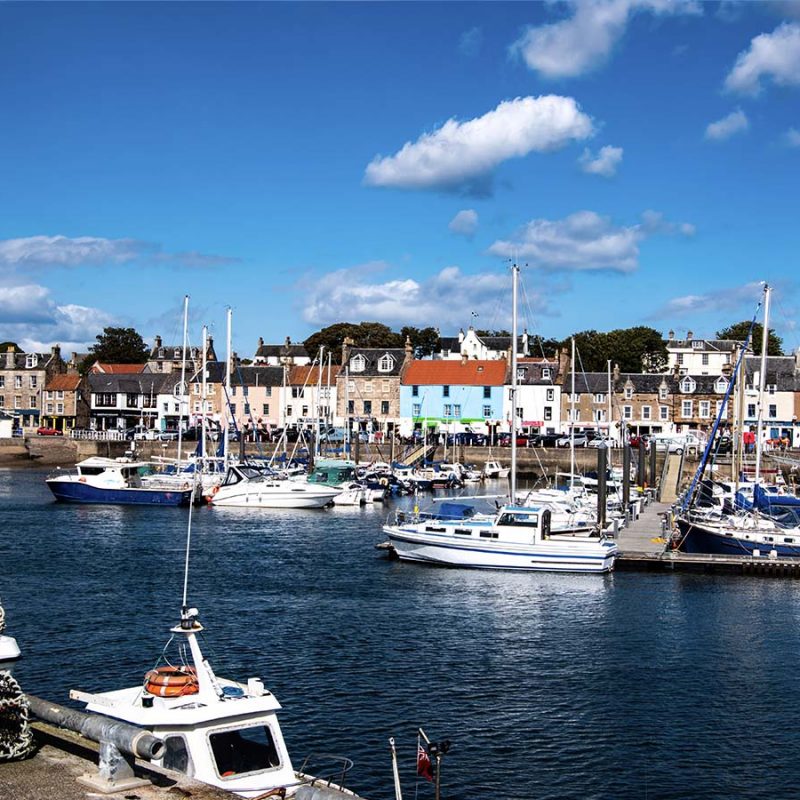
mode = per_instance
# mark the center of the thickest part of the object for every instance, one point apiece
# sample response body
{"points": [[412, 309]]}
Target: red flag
{"points": [[424, 767]]}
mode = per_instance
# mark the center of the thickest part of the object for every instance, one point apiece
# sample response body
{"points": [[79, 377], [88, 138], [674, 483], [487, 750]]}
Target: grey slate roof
{"points": [[372, 356]]}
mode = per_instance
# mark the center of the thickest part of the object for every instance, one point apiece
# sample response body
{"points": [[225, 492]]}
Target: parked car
{"points": [[45, 431]]}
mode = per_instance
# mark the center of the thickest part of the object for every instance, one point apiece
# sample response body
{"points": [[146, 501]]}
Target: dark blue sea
{"points": [[548, 686]]}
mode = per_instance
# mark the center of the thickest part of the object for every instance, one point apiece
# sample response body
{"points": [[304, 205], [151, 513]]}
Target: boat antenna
{"points": [[185, 603]]}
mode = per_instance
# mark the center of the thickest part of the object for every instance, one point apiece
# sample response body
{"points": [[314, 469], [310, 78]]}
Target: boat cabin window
{"points": [[176, 755], [511, 518], [244, 750]]}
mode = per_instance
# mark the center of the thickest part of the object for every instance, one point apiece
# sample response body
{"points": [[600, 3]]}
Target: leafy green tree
{"points": [[738, 333], [117, 346], [424, 341], [363, 334]]}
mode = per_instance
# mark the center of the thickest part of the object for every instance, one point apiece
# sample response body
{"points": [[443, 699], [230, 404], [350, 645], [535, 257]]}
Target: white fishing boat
{"points": [[253, 488]]}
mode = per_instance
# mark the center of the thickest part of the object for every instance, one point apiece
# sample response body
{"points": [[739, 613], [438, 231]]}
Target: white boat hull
{"points": [[549, 556]]}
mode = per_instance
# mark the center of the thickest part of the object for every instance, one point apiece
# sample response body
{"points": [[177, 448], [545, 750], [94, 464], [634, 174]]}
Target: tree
{"points": [[117, 346], [363, 334], [738, 333], [424, 341]]}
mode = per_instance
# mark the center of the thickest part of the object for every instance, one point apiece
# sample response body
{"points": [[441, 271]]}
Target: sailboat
{"points": [[747, 524], [219, 731], [517, 538]]}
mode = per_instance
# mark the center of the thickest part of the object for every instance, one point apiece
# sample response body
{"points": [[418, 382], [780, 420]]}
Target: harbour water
{"points": [[549, 686]]}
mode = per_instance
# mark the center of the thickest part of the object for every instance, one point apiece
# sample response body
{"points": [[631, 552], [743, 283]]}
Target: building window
{"points": [[416, 410], [548, 412], [386, 363], [645, 412], [772, 411], [448, 410], [487, 392], [415, 391], [704, 409], [686, 408], [457, 411], [351, 406], [384, 407], [265, 409], [551, 395], [663, 413], [358, 363], [445, 391], [487, 412], [627, 412]]}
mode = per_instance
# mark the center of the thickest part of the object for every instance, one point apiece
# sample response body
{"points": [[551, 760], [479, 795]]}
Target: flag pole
{"points": [[398, 795]]}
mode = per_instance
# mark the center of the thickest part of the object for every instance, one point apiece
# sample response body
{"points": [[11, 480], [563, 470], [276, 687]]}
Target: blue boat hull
{"points": [[697, 539], [75, 492]]}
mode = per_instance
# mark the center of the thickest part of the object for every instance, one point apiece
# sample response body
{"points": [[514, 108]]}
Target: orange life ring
{"points": [[171, 681]]}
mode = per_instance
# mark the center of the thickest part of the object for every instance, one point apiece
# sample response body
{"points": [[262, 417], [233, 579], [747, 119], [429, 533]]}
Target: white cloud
{"points": [[79, 251], [443, 300], [736, 298], [605, 163], [65, 252], [471, 41], [465, 222], [30, 317], [724, 128], [585, 241], [775, 55], [583, 41], [462, 155], [792, 137]]}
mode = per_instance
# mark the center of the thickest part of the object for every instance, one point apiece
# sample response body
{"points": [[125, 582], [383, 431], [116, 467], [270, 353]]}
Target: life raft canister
{"points": [[171, 681]]}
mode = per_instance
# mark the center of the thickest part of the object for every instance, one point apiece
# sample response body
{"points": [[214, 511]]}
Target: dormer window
{"points": [[358, 363], [721, 385], [688, 385], [386, 363], [31, 360]]}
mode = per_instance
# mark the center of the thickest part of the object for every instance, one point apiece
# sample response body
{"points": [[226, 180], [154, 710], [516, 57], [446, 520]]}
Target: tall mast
{"points": [[762, 380], [203, 390], [572, 423], [514, 283], [226, 418], [182, 398]]}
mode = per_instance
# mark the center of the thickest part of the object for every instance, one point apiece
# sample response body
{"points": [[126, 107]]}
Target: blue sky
{"points": [[311, 163]]}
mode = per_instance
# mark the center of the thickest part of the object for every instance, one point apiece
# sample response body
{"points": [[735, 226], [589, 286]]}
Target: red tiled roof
{"points": [[118, 369], [309, 376], [61, 383], [455, 373]]}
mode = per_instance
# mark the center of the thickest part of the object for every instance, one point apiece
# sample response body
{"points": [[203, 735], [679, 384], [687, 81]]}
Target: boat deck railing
{"points": [[332, 769]]}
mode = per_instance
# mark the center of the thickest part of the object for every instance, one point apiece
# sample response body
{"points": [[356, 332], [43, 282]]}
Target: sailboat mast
{"points": [[572, 422], [182, 398], [203, 389], [226, 418], [514, 284], [762, 381]]}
